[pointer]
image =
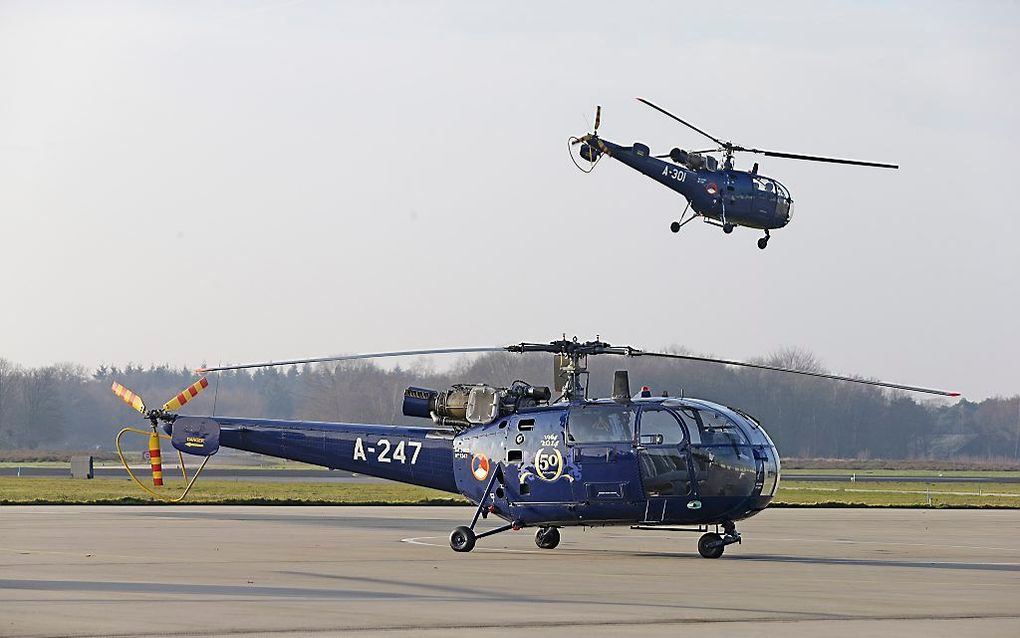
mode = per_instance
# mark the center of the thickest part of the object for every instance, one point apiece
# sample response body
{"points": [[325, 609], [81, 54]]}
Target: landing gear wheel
{"points": [[708, 547], [675, 227], [547, 537], [763, 242], [727, 228], [462, 539]]}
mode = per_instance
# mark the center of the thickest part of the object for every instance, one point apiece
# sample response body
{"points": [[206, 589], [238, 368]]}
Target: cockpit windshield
{"points": [[767, 187], [715, 428]]}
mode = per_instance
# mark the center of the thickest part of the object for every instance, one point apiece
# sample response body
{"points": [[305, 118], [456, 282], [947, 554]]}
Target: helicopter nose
{"points": [[784, 211]]}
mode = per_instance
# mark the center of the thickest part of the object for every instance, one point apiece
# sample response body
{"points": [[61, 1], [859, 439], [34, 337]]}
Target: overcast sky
{"points": [[235, 181]]}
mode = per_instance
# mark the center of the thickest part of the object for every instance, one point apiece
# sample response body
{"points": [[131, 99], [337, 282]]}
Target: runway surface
{"points": [[372, 571]]}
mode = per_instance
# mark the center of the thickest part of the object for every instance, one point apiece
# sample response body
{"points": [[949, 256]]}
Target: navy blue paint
{"points": [[333, 445], [744, 204], [596, 485]]}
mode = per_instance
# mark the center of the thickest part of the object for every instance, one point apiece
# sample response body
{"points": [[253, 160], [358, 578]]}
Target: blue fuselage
{"points": [[737, 197], [679, 461]]}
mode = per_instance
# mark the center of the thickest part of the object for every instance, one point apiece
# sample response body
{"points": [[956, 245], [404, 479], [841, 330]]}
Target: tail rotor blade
{"points": [[129, 397], [598, 117], [186, 395]]}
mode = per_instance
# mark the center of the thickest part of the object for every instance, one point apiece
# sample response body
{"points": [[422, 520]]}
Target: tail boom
{"points": [[417, 455]]}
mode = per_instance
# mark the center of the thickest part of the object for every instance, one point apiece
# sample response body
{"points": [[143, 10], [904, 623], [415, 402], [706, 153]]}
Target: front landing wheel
{"points": [[710, 545], [675, 227], [547, 537], [763, 243], [462, 539]]}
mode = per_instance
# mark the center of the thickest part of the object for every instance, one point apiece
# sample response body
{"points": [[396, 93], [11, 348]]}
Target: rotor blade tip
{"points": [[954, 394]]}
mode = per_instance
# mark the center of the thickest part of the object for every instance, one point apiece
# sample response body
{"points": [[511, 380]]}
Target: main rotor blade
{"points": [[815, 158], [352, 357], [822, 375], [687, 124]]}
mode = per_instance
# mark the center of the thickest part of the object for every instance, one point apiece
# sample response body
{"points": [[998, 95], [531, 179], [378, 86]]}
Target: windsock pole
{"points": [[154, 460]]}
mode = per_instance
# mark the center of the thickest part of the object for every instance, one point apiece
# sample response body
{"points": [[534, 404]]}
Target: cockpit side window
{"points": [[600, 424], [660, 427]]}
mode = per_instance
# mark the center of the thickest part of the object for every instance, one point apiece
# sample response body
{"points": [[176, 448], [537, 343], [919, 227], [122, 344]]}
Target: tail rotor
{"points": [[590, 151], [167, 413]]}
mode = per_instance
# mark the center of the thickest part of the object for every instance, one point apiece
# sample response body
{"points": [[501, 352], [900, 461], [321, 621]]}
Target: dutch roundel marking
{"points": [[480, 466]]}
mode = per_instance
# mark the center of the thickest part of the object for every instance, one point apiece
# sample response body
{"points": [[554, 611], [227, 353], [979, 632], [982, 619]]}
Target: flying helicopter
{"points": [[518, 454], [715, 191]]}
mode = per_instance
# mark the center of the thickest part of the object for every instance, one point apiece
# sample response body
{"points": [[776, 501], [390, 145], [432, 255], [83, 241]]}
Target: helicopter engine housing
{"points": [[466, 405]]}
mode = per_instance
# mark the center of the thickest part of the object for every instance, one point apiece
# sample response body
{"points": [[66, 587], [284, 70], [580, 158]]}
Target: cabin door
{"points": [[601, 442], [664, 457]]}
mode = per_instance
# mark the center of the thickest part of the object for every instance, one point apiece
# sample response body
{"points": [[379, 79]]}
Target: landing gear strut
{"points": [[683, 221], [764, 241], [711, 545], [462, 538]]}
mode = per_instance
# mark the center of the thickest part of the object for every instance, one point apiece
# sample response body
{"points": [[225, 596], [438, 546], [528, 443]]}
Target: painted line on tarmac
{"points": [[420, 540], [80, 554]]}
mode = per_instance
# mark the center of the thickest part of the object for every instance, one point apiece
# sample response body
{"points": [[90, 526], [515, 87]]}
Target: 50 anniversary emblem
{"points": [[548, 463]]}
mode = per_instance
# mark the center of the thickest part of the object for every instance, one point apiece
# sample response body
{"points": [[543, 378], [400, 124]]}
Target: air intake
{"points": [[621, 386]]}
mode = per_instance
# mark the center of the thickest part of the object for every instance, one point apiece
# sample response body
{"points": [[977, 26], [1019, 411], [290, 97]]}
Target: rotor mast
{"points": [[574, 355]]}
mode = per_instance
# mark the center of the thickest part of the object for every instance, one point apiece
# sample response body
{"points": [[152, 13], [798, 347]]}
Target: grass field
{"points": [[122, 491], [791, 493], [794, 473], [898, 494]]}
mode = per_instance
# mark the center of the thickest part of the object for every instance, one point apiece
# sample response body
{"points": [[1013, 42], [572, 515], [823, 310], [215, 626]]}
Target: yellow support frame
{"points": [[184, 470]]}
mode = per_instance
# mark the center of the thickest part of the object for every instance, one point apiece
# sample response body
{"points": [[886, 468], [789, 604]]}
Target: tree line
{"points": [[68, 406]]}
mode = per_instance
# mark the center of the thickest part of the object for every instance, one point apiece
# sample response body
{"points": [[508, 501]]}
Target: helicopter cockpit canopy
{"points": [[769, 190], [768, 185]]}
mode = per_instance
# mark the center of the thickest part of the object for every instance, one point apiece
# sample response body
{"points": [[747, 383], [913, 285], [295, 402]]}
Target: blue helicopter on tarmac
{"points": [[522, 456], [720, 195]]}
